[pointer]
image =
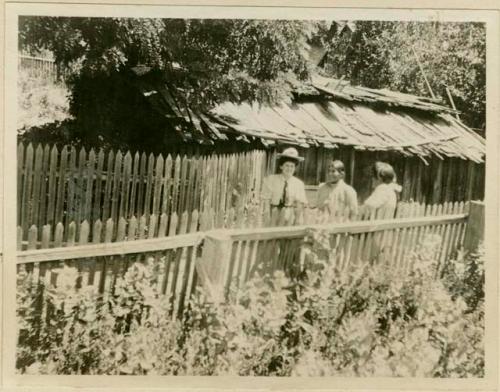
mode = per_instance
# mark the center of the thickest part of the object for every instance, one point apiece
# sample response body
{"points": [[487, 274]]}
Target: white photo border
{"points": [[9, 200]]}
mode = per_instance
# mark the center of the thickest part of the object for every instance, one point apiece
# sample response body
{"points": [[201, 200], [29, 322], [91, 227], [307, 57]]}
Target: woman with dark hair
{"points": [[336, 200], [283, 194], [381, 204]]}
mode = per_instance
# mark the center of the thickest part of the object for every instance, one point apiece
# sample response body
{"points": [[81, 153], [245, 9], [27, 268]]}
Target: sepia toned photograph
{"points": [[250, 197]]}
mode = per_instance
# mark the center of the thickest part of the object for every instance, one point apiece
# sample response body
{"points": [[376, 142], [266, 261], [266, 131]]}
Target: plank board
{"points": [[141, 185], [197, 184], [108, 187], [71, 176], [134, 185], [126, 185], [182, 185], [157, 187], [115, 191], [42, 216], [81, 179], [176, 185], [97, 200], [27, 185], [89, 188], [190, 193], [37, 180], [20, 185]]}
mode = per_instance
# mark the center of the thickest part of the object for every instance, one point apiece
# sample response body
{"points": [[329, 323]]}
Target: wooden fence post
{"points": [[213, 265], [474, 232]]}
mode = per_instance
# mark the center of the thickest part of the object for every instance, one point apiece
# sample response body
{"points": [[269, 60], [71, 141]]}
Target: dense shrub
{"points": [[368, 321], [464, 277]]}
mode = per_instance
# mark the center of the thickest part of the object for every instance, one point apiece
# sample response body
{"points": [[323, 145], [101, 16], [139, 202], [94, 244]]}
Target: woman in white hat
{"points": [[283, 194]]}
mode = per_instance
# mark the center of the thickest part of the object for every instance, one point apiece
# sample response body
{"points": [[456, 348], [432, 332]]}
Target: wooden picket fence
{"points": [[101, 265], [221, 260], [146, 227], [153, 226], [231, 257], [63, 185], [42, 68]]}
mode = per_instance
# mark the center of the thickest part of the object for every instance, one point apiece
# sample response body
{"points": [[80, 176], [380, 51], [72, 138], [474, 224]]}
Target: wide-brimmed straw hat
{"points": [[290, 153]]}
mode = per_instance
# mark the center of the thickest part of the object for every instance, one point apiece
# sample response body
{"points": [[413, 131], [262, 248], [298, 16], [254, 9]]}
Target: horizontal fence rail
{"points": [[267, 233], [238, 254], [153, 226], [222, 260], [101, 265], [117, 248]]}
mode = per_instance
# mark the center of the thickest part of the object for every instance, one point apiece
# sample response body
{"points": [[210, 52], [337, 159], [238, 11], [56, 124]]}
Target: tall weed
{"points": [[370, 321]]}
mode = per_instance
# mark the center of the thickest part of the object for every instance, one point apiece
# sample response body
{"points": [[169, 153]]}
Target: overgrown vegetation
{"points": [[368, 322], [40, 101]]}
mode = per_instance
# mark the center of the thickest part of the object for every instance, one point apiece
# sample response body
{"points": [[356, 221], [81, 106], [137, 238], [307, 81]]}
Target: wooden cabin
{"points": [[436, 157]]}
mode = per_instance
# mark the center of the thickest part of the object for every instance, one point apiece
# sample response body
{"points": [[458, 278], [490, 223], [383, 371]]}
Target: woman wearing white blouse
{"points": [[336, 200], [383, 200], [382, 205], [283, 194]]}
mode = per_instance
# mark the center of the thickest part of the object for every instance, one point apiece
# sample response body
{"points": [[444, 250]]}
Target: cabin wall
{"points": [[434, 181], [437, 181]]}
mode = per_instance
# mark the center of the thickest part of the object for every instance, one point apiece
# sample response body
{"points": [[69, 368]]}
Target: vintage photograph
{"points": [[250, 197]]}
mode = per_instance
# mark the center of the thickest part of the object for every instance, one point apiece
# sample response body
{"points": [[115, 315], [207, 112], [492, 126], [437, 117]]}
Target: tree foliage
{"points": [[384, 55], [208, 61], [211, 60]]}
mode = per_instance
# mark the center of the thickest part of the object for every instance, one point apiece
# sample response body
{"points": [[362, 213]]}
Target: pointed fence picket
{"points": [[153, 226], [132, 229], [228, 258], [394, 242], [65, 184]]}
